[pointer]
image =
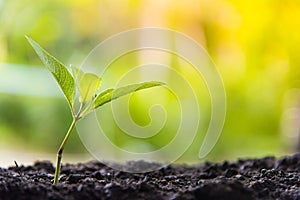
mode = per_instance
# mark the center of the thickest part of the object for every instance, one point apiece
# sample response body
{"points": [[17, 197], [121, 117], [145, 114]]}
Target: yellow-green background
{"points": [[255, 45]]}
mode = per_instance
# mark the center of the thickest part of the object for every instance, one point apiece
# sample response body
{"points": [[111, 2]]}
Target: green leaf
{"points": [[103, 98], [76, 72], [88, 84], [58, 70], [111, 94]]}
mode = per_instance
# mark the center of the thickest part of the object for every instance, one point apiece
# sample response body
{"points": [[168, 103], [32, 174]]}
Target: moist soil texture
{"points": [[265, 178]]}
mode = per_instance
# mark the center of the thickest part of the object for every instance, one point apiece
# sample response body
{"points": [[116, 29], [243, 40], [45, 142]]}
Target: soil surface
{"points": [[266, 178]]}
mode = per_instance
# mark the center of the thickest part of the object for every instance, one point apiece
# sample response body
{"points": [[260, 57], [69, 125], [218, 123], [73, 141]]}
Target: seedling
{"points": [[87, 85]]}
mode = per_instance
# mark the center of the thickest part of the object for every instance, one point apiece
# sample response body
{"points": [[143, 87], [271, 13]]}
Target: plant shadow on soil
{"points": [[265, 178]]}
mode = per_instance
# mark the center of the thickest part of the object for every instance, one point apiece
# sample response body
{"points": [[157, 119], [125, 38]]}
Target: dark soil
{"points": [[266, 178]]}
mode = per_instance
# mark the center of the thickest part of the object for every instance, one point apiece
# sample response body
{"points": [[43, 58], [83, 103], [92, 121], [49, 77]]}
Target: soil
{"points": [[266, 178]]}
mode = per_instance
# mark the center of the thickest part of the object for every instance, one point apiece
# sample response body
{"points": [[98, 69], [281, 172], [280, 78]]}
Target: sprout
{"points": [[87, 84]]}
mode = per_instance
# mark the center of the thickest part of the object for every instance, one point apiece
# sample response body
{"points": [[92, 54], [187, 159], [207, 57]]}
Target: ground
{"points": [[265, 178]]}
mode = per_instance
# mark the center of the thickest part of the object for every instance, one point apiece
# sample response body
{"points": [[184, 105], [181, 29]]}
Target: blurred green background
{"points": [[255, 45]]}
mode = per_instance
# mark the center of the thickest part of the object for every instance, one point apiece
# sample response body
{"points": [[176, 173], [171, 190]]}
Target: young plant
{"points": [[87, 84]]}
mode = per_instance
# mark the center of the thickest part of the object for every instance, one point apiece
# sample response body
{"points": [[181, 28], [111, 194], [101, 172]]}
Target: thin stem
{"points": [[61, 149], [84, 110], [79, 110]]}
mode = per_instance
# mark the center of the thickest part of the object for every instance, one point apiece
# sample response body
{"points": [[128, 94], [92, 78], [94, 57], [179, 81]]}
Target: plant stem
{"points": [[61, 149]]}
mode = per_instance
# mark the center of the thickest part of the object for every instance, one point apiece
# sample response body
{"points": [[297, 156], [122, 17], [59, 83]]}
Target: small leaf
{"points": [[111, 94], [88, 84], [58, 70], [103, 98], [75, 72]]}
